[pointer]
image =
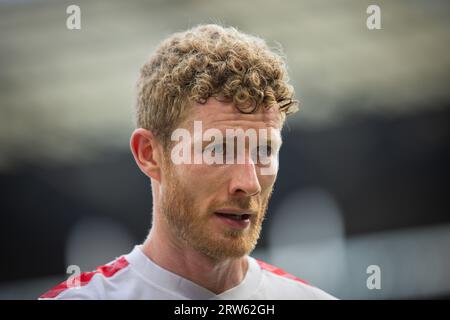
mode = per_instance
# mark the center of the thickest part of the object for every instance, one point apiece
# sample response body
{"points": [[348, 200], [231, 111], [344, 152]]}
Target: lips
{"points": [[234, 218], [244, 216]]}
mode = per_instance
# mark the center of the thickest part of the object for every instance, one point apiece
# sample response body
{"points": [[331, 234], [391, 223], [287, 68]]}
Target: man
{"points": [[213, 86]]}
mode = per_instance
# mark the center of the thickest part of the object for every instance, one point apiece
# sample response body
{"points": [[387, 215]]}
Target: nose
{"points": [[244, 180]]}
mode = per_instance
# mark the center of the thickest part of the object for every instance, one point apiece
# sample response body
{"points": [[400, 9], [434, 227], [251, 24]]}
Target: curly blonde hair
{"points": [[209, 61]]}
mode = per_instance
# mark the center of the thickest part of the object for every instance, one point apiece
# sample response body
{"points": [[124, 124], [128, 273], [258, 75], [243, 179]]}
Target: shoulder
{"points": [[88, 285], [279, 284]]}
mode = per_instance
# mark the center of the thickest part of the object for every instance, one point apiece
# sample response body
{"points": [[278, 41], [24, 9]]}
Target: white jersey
{"points": [[135, 276]]}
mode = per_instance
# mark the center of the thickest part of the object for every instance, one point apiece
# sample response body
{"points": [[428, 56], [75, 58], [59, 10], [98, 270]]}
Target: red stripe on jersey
{"points": [[279, 271], [84, 278]]}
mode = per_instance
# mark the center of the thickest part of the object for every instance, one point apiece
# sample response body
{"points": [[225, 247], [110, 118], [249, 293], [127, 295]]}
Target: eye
{"points": [[219, 149], [265, 150], [262, 154], [215, 149]]}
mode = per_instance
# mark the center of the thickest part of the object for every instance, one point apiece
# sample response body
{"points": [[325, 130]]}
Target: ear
{"points": [[147, 152]]}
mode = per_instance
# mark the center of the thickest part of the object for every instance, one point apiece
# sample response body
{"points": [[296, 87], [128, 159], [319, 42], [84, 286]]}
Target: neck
{"points": [[179, 258]]}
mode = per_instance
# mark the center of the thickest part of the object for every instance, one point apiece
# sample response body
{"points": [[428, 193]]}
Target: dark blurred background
{"points": [[364, 165]]}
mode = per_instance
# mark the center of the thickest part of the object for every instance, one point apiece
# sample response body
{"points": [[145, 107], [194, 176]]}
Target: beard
{"points": [[193, 226]]}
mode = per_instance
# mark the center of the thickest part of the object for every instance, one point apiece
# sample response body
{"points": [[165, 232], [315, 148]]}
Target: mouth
{"points": [[238, 220], [232, 216]]}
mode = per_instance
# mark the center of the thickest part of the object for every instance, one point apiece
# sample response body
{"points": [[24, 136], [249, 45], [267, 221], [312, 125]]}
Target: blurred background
{"points": [[364, 175]]}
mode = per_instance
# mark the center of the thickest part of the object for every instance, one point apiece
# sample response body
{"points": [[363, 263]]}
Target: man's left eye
{"points": [[266, 148], [262, 154]]}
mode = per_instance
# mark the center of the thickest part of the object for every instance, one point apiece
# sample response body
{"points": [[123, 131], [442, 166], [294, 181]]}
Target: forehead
{"points": [[223, 115]]}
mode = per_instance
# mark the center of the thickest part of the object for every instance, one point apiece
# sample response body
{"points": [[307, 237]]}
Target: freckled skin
{"points": [[186, 237], [209, 186]]}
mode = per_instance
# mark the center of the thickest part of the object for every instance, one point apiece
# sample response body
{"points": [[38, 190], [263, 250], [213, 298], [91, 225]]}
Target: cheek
{"points": [[267, 182], [201, 180], [198, 172]]}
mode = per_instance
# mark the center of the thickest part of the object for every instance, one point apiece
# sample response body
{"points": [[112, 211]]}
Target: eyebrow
{"points": [[277, 142]]}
